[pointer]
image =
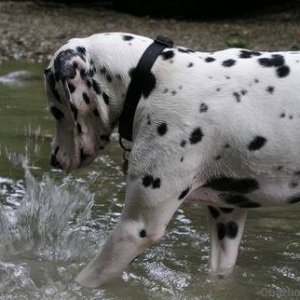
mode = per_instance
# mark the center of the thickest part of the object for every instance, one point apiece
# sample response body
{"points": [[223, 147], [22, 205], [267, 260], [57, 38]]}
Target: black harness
{"points": [[134, 91]]}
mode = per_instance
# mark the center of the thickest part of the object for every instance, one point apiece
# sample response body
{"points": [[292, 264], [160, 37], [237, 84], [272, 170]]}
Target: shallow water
{"points": [[52, 224]]}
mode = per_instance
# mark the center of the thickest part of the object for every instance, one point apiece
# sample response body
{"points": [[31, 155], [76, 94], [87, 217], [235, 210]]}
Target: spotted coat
{"points": [[221, 129]]}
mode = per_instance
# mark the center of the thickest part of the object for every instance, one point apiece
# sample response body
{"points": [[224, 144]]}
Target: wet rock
{"points": [[17, 77]]}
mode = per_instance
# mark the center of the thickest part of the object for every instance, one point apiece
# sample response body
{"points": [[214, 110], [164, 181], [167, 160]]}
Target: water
{"points": [[52, 224]]}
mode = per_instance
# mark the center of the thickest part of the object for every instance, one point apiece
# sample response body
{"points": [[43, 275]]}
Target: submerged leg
{"points": [[150, 204], [226, 230]]}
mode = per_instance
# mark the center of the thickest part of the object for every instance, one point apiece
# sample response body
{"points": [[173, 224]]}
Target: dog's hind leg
{"points": [[226, 230]]}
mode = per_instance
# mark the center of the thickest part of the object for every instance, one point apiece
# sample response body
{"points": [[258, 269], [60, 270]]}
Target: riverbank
{"points": [[33, 31]]}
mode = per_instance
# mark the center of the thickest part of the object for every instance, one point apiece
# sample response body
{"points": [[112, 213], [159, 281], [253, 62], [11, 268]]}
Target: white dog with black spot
{"points": [[219, 128]]}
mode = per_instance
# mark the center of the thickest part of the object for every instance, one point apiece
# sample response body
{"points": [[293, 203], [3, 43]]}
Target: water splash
{"points": [[44, 235]]}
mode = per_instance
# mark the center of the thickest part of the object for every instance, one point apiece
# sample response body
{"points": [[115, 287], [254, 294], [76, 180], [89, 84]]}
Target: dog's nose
{"points": [[54, 162], [83, 156]]}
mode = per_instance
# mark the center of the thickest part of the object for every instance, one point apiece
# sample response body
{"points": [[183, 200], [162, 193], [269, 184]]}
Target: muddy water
{"points": [[52, 224]]}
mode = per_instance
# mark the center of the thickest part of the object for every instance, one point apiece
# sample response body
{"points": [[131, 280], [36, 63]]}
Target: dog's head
{"points": [[79, 107]]}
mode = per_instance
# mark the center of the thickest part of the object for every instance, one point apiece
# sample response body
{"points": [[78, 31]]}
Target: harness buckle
{"points": [[160, 39]]}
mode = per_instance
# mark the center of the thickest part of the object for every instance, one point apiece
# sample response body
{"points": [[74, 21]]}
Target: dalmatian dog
{"points": [[221, 129]]}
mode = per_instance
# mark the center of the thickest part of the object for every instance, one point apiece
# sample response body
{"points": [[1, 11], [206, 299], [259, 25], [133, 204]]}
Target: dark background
{"points": [[188, 9]]}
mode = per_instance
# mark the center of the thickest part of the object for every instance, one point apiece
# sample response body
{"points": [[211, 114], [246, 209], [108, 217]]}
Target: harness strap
{"points": [[136, 84]]}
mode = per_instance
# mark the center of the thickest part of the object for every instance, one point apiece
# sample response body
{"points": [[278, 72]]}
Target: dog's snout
{"points": [[83, 156], [54, 162]]}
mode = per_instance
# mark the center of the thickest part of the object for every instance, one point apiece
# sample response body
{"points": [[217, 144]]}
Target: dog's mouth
{"points": [[81, 158]]}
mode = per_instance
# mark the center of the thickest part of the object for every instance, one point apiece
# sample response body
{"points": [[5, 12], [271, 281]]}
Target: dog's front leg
{"points": [[150, 204], [226, 230]]}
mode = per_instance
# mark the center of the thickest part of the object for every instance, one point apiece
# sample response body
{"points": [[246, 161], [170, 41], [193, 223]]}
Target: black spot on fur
{"points": [[96, 112], [237, 96], [277, 60], [149, 180], [270, 89], [108, 78], [282, 115], [143, 233], [231, 229], [238, 200], [86, 98], [293, 184], [167, 54], [81, 50], [148, 85], [162, 128], [221, 230], [244, 92], [183, 143], [106, 98], [57, 113], [71, 88], [184, 193], [51, 82], [83, 74], [214, 212], [91, 73], [294, 199], [103, 70], [249, 54], [283, 71], [190, 65], [148, 120], [203, 107], [62, 66], [228, 184], [228, 62], [156, 183], [209, 59], [257, 143], [96, 87], [127, 37], [196, 135]]}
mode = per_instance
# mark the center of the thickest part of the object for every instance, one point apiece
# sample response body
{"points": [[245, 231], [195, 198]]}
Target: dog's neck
{"points": [[115, 55]]}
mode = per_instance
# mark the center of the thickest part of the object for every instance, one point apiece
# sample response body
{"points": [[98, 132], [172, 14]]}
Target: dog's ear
{"points": [[58, 95]]}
